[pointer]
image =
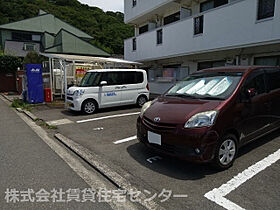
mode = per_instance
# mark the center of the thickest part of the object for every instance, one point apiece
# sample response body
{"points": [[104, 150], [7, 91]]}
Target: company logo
{"points": [[35, 70], [156, 119]]}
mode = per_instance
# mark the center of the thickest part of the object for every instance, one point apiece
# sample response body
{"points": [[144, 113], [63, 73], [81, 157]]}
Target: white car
{"points": [[108, 88]]}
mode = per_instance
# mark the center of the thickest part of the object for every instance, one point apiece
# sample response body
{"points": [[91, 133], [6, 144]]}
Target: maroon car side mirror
{"points": [[251, 92]]}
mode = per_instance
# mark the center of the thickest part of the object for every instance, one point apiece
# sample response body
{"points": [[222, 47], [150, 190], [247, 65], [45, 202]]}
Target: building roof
{"points": [[68, 43], [44, 22], [88, 58]]}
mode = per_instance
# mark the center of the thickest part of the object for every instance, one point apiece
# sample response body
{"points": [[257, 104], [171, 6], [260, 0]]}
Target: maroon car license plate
{"points": [[154, 138]]}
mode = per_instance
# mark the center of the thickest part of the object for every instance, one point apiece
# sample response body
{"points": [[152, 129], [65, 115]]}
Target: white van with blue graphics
{"points": [[108, 88]]}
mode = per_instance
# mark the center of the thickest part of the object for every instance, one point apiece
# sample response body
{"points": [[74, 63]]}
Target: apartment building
{"points": [[174, 38]]}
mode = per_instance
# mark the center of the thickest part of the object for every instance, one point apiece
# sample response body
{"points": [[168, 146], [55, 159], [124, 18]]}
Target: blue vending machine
{"points": [[35, 90]]}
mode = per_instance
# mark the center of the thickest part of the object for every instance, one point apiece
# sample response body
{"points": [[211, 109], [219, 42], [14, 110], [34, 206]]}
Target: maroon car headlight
{"points": [[145, 107], [203, 119]]}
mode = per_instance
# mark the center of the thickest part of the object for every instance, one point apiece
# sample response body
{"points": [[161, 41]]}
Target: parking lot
{"points": [[111, 134]]}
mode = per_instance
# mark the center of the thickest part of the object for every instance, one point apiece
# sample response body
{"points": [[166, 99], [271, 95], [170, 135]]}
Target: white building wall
{"points": [[142, 7], [229, 26]]}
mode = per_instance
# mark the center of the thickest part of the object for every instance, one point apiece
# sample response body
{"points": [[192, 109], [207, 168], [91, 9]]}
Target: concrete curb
{"points": [[6, 97], [30, 115], [96, 162], [27, 113]]}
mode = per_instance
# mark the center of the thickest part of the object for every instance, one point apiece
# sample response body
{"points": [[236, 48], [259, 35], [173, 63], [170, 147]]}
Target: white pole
{"points": [[65, 83], [61, 80], [51, 81], [53, 78]]}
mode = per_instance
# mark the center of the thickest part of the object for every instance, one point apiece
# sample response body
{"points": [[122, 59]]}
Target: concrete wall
{"points": [[17, 48], [230, 26]]}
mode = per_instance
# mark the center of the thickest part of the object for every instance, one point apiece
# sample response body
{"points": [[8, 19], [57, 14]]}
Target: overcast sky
{"points": [[106, 5]]}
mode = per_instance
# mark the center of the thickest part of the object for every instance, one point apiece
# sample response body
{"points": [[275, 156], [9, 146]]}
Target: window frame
{"points": [[134, 44], [263, 17], [134, 3], [171, 18], [144, 29], [160, 36], [28, 45], [201, 25]]}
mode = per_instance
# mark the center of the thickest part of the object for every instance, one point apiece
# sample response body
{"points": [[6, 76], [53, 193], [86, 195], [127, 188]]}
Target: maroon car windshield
{"points": [[216, 86]]}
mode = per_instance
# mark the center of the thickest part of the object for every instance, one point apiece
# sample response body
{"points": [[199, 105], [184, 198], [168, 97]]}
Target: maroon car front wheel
{"points": [[226, 152]]}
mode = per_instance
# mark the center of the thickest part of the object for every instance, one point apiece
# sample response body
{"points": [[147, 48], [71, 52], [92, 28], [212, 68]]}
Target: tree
{"points": [[9, 63], [33, 58], [107, 28]]}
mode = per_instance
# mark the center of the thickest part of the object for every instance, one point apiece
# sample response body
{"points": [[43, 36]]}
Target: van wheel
{"points": [[141, 101], [226, 152], [89, 107]]}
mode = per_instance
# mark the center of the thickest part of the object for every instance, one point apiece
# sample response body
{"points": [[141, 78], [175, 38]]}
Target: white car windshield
{"points": [[219, 85]]}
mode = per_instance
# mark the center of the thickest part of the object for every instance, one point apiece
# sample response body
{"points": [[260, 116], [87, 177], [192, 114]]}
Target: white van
{"points": [[108, 88]]}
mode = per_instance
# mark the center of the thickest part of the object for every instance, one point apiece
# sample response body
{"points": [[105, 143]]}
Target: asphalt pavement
{"points": [[111, 135], [26, 162]]}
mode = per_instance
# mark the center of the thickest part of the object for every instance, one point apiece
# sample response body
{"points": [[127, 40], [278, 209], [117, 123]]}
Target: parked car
{"points": [[210, 114], [108, 88]]}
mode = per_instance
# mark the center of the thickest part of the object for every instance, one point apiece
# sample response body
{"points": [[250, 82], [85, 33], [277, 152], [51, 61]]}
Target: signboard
{"points": [[35, 91]]}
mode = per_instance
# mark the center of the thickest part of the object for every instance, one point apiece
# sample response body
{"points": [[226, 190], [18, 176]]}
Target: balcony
{"points": [[227, 27], [142, 7]]}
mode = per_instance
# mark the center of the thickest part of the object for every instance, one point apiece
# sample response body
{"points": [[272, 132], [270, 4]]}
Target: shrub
{"points": [[9, 63]]}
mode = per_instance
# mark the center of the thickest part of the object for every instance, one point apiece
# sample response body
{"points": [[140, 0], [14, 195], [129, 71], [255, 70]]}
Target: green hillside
{"points": [[107, 28]]}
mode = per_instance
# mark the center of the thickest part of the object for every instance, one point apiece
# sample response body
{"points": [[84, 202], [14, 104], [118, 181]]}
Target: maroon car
{"points": [[210, 114]]}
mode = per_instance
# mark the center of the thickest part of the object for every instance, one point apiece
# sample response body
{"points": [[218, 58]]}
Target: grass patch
{"points": [[45, 125], [18, 103]]}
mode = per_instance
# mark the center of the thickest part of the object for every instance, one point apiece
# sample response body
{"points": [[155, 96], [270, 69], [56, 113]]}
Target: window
{"points": [[266, 9], [206, 6], [112, 78], [90, 80], [21, 36], [210, 64], [268, 61], [36, 38], [198, 25], [159, 36], [212, 4], [210, 85], [29, 47], [143, 29], [170, 73], [273, 78], [256, 82], [132, 77], [134, 2], [171, 18], [134, 44]]}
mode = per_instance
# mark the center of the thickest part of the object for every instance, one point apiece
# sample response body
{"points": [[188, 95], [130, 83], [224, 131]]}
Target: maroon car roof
{"points": [[234, 68]]}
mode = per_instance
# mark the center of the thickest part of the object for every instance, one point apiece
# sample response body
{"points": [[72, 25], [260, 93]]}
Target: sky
{"points": [[106, 5]]}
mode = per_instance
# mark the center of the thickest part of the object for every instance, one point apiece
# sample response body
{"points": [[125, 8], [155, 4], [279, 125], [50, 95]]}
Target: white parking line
{"points": [[126, 140], [60, 122], [108, 117], [155, 158], [217, 195]]}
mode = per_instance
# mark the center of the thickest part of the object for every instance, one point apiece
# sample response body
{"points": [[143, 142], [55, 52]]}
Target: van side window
{"points": [[273, 79], [112, 78], [255, 82], [133, 77]]}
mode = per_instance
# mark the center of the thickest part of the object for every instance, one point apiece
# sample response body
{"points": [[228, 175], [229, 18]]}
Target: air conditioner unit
{"points": [[244, 62]]}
